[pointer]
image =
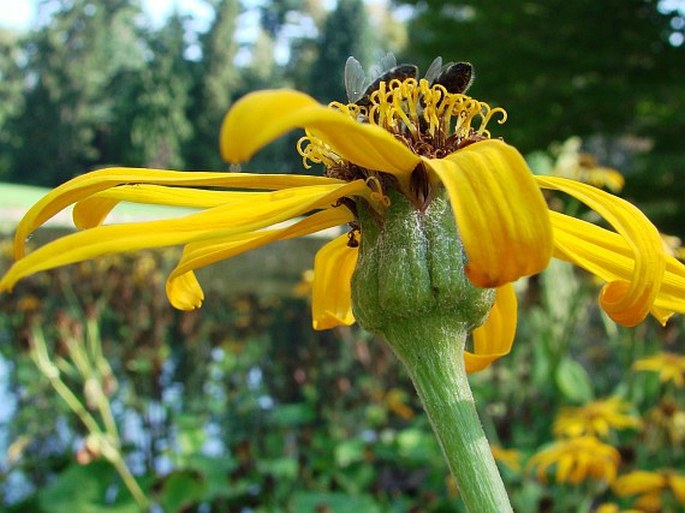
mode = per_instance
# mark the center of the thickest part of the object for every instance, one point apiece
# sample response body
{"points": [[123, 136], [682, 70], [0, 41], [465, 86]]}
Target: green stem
{"points": [[432, 349]]}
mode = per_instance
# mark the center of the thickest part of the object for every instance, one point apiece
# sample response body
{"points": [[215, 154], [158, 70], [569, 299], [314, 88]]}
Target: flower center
{"points": [[428, 119]]}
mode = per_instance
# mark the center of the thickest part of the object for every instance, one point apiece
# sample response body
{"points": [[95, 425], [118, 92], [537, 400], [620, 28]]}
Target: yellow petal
{"points": [[331, 291], [637, 482], [626, 302], [494, 339], [501, 214], [609, 256], [94, 209], [260, 117], [90, 183], [185, 293], [222, 221]]}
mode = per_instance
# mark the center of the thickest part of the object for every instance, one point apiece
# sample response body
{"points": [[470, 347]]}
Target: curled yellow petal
{"points": [[185, 293], [88, 184], [260, 117], [608, 255], [331, 291], [626, 302], [501, 214], [494, 339]]}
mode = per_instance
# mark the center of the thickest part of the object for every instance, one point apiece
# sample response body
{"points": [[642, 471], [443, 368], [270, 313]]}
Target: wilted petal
{"points": [[494, 339], [260, 117], [90, 183], [331, 290], [185, 293], [501, 214]]}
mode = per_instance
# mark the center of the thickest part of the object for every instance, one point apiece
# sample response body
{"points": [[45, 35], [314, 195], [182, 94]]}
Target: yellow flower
{"points": [[303, 288], [650, 487], [596, 418], [571, 163], [670, 366], [511, 458], [608, 507], [665, 422], [577, 459], [410, 138]]}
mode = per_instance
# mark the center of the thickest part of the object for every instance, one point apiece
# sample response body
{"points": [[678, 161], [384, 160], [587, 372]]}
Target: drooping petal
{"points": [[222, 221], [626, 301], [608, 255], [90, 183], [260, 117], [93, 210], [501, 214], [331, 290], [185, 293], [494, 339]]}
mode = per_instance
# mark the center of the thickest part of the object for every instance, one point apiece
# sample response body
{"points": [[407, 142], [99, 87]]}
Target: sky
{"points": [[18, 14]]}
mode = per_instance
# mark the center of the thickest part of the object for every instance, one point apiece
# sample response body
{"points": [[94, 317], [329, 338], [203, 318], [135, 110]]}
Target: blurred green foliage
{"points": [[241, 406]]}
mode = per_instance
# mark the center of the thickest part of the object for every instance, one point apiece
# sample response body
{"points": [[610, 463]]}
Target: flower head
{"points": [[670, 366], [577, 459], [651, 488], [410, 139], [596, 418]]}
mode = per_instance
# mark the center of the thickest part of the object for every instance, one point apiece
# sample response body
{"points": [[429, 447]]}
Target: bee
{"points": [[356, 81], [455, 77]]}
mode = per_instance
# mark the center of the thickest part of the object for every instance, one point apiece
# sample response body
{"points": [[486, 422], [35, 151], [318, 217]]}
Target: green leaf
{"points": [[181, 490], [83, 488], [291, 415], [574, 382]]}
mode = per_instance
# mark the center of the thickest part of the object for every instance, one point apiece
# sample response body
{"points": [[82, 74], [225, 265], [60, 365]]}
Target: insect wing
{"points": [[355, 79], [433, 70]]}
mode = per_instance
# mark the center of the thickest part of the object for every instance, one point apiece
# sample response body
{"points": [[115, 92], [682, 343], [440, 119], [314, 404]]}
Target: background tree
{"points": [[216, 82], [71, 62], [346, 32], [602, 69], [151, 125], [11, 96]]}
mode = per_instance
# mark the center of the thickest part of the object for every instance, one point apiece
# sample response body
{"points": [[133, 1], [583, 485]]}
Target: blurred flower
{"points": [[596, 418], [670, 366], [608, 507], [666, 421], [303, 288], [28, 303], [408, 138], [396, 400], [673, 246], [651, 488], [577, 459], [511, 458], [571, 163]]}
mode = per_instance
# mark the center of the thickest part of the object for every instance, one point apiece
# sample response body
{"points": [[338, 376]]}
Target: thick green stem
{"points": [[432, 350]]}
